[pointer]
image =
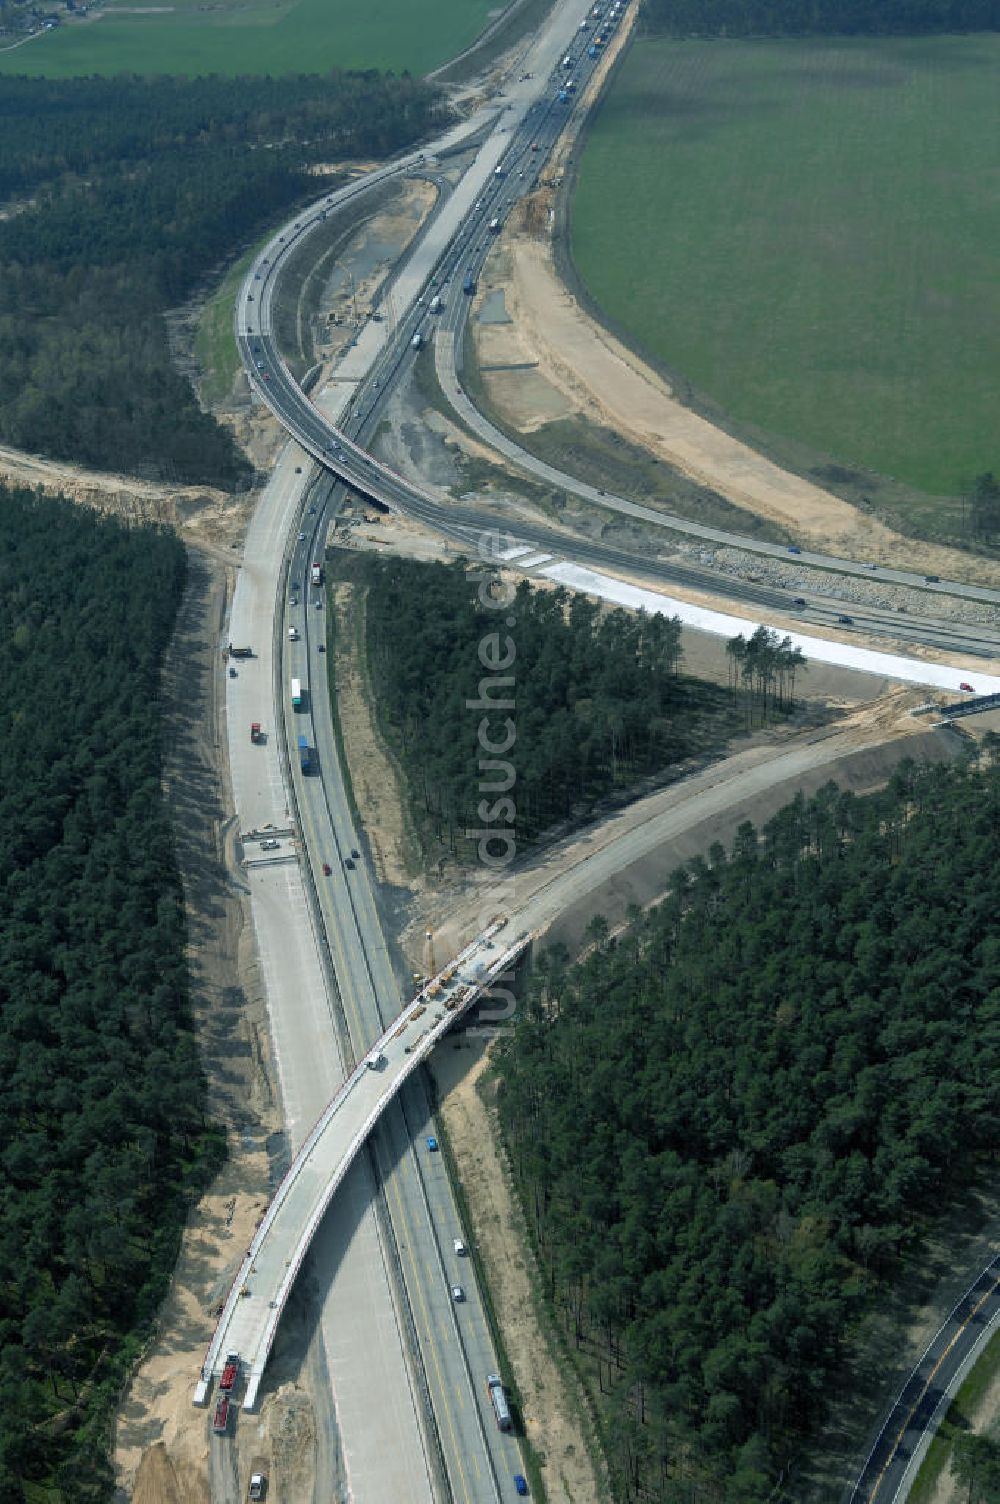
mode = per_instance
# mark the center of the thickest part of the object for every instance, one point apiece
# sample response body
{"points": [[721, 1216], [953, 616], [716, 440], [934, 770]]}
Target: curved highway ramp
{"points": [[253, 1309]]}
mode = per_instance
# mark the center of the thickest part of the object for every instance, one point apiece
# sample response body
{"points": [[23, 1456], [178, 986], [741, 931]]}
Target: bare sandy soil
{"points": [[162, 1445], [202, 515], [162, 1441], [570, 364], [161, 1448]]}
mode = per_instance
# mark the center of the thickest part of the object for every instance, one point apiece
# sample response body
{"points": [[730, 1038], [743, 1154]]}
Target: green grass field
{"points": [[808, 232], [215, 341], [254, 37]]}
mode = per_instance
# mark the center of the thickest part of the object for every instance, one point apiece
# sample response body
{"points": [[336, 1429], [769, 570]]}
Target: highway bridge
{"points": [[253, 1308], [452, 247]]}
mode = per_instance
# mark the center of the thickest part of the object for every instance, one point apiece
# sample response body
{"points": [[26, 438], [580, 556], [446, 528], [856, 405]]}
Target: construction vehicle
{"points": [[220, 1421]]}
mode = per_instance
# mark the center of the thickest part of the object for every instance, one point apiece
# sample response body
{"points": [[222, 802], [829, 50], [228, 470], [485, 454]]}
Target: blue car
{"points": [[794, 549], [432, 1143], [520, 1483]]}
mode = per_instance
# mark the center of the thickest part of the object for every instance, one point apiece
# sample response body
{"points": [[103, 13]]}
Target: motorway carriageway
{"points": [[348, 459], [253, 1308]]}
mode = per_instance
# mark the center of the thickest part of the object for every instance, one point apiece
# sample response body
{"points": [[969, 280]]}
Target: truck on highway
{"points": [[293, 634], [316, 574], [230, 1373], [417, 340], [220, 1420], [494, 225], [256, 735], [469, 285], [498, 1399], [435, 304], [305, 755], [240, 652], [567, 61], [296, 694], [258, 1487]]}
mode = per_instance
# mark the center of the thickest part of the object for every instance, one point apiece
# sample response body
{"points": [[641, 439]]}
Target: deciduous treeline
{"points": [[103, 1134], [121, 195], [727, 1124]]}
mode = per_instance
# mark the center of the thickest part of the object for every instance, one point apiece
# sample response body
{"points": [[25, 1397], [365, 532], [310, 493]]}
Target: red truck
{"points": [[220, 1423], [230, 1373], [256, 735]]}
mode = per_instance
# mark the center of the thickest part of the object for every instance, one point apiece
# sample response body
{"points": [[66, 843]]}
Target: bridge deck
{"points": [[254, 1305]]}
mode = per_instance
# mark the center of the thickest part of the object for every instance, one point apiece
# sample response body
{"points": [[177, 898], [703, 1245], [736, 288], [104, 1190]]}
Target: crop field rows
{"points": [[806, 232]]}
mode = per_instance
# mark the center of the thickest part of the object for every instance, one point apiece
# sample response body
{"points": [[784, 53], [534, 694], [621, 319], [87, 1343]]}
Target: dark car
{"points": [[799, 600], [348, 864], [327, 869], [932, 579], [846, 621], [354, 853]]}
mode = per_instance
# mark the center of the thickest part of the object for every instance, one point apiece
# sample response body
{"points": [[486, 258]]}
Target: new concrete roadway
{"points": [[411, 1429], [377, 361]]}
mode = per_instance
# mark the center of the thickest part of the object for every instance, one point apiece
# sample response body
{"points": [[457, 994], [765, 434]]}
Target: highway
{"points": [[454, 1346], [257, 1299], [407, 1369], [380, 361], [385, 1447], [451, 248], [902, 1439]]}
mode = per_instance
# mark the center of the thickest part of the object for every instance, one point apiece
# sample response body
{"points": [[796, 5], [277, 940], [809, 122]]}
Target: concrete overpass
{"points": [[253, 1308]]}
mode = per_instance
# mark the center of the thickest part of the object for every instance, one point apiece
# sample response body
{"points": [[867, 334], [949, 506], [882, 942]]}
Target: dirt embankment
{"points": [[202, 515], [161, 1448], [553, 1407], [553, 360]]}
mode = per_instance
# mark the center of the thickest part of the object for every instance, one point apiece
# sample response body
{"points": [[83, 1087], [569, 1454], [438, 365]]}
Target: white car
{"points": [[457, 1294]]}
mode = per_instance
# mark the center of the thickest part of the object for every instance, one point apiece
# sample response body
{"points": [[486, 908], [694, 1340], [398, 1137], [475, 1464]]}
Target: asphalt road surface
{"points": [[892, 1463], [461, 229]]}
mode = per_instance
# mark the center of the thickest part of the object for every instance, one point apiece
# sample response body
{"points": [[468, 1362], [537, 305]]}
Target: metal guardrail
{"points": [[419, 1050], [972, 706]]}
